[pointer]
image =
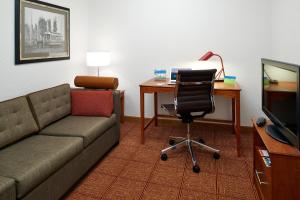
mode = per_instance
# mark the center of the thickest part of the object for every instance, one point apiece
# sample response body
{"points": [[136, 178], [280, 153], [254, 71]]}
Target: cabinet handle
{"points": [[258, 178]]}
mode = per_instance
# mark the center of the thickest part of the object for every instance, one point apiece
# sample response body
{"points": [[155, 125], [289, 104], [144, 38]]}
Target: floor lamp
{"points": [[207, 56], [98, 59]]}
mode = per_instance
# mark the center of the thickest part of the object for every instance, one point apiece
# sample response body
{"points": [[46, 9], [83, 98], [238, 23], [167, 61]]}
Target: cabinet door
{"points": [[286, 177]]}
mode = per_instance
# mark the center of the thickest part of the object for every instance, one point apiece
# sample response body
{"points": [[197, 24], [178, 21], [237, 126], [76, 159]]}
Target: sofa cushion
{"points": [[92, 103], [16, 121], [7, 188], [88, 128], [51, 104], [34, 159]]}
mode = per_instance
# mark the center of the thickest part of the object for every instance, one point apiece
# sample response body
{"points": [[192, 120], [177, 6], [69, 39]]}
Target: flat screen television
{"points": [[281, 100]]}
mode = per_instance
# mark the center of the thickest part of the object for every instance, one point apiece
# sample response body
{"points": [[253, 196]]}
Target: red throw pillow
{"points": [[92, 103]]}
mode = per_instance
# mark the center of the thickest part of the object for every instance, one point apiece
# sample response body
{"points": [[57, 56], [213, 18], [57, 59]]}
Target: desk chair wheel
{"points": [[171, 142], [164, 157], [196, 169], [217, 156]]}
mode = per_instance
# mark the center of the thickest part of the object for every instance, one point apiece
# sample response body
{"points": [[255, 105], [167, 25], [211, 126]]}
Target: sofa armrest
{"points": [[7, 188], [117, 105]]}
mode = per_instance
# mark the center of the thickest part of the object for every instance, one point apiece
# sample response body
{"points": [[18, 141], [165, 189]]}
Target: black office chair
{"points": [[193, 99]]}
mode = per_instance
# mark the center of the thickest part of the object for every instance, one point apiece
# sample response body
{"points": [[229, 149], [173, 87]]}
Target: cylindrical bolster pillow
{"points": [[94, 82]]}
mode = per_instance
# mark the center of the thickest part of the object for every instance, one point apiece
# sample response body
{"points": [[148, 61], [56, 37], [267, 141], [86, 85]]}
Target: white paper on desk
{"points": [[264, 153]]}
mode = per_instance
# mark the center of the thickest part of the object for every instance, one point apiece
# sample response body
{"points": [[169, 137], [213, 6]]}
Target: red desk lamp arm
{"points": [[222, 69], [210, 54]]}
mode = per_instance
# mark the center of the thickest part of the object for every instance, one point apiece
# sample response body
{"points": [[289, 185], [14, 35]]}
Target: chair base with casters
{"points": [[190, 143]]}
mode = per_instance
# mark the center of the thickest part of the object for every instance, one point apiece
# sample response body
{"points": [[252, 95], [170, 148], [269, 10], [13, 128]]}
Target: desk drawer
{"points": [[262, 177]]}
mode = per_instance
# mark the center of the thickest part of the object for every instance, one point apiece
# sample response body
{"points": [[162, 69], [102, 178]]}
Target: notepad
{"points": [[264, 153]]}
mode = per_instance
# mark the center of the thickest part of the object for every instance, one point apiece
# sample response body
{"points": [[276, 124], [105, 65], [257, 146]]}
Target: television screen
{"points": [[280, 95]]}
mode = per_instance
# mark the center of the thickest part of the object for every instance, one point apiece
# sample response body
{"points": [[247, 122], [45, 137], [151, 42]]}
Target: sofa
{"points": [[44, 150]]}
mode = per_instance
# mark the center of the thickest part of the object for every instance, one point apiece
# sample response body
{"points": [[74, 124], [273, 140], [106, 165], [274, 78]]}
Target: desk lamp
{"points": [[98, 59], [207, 56]]}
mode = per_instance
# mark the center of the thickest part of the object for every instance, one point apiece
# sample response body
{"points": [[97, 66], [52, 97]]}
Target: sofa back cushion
{"points": [[51, 104], [16, 121]]}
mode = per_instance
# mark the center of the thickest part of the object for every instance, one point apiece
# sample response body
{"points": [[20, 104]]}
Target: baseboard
{"points": [[132, 119], [174, 121]]}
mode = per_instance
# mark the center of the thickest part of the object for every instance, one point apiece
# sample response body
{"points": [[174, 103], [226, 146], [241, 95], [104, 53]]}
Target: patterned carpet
{"points": [[135, 171]]}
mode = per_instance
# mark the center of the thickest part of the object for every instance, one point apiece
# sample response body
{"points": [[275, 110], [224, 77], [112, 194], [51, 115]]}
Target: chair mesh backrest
{"points": [[198, 95]]}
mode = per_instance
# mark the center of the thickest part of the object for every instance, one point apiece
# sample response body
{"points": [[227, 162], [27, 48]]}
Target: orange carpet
{"points": [[135, 171]]}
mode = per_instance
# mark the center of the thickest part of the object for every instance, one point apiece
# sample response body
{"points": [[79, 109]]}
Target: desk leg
{"points": [[142, 115], [238, 123], [155, 109], [122, 109], [233, 115]]}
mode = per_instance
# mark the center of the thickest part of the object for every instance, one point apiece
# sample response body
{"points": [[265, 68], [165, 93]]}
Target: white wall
{"points": [[144, 35], [286, 30], [18, 80]]}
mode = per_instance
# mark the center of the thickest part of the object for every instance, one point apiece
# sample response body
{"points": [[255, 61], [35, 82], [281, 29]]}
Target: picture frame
{"points": [[42, 32]]}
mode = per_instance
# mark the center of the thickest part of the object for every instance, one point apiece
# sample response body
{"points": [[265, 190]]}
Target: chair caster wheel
{"points": [[217, 156], [201, 141], [164, 157], [171, 142], [196, 169]]}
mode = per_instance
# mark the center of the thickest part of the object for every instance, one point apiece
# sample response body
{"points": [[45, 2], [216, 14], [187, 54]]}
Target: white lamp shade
{"points": [[98, 59]]}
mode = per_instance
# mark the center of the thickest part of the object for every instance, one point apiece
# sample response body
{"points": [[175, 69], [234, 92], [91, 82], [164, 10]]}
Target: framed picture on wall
{"points": [[42, 32]]}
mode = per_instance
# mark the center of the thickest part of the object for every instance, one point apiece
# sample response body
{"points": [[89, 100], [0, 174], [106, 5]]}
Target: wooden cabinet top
{"points": [[165, 84], [273, 146]]}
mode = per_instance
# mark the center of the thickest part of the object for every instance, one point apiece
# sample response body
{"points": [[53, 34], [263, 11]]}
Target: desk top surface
{"points": [[165, 84], [282, 86]]}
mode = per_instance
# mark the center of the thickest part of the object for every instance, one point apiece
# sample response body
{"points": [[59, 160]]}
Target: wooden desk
{"points": [[282, 86], [155, 87], [279, 92], [122, 98]]}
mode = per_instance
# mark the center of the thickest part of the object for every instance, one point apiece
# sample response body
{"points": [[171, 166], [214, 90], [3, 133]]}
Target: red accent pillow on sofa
{"points": [[92, 103]]}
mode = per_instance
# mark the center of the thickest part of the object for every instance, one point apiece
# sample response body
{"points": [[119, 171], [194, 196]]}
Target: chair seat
{"points": [[88, 128], [170, 108], [32, 160]]}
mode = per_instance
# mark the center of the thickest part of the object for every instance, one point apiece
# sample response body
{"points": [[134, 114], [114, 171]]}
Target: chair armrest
{"points": [[170, 108], [7, 188]]}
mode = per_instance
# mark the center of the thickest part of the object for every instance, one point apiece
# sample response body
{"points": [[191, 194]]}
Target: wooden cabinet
{"points": [[281, 180]]}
